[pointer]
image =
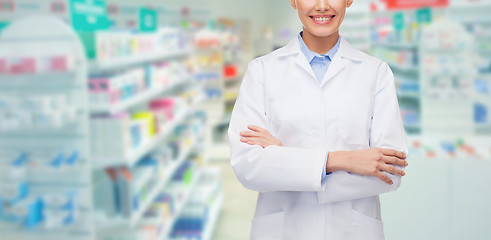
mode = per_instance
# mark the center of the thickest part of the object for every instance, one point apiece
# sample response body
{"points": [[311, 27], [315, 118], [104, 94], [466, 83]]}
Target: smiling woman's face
{"points": [[321, 18]]}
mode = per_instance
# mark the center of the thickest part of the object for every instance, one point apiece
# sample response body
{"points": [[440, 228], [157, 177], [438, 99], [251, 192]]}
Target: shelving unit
{"points": [[111, 227], [355, 29], [225, 89], [475, 19], [447, 79], [180, 206], [50, 152], [92, 224], [409, 46], [163, 182], [203, 203], [140, 98], [213, 218], [148, 146], [115, 64], [399, 47]]}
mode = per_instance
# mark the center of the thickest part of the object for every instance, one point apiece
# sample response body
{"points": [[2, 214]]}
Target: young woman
{"points": [[317, 131]]}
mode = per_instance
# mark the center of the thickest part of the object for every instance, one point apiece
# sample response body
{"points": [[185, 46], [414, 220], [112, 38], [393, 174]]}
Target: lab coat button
{"points": [[316, 134]]}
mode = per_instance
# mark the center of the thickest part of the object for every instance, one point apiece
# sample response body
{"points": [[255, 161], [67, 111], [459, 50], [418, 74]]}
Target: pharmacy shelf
{"points": [[449, 75], [102, 66], [139, 98], [239, 76], [399, 67], [179, 207], [14, 231], [470, 5], [51, 81], [163, 181], [407, 46], [483, 38], [134, 157], [404, 79], [211, 222], [474, 21], [485, 52], [412, 126], [408, 95], [356, 25]]}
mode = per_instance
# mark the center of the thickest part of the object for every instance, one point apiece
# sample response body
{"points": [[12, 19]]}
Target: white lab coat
{"points": [[354, 107]]}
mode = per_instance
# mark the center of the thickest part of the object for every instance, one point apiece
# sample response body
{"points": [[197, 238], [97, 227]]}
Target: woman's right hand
{"points": [[368, 162]]}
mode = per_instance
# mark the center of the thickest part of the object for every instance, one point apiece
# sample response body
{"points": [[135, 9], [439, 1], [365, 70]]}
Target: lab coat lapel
{"points": [[341, 60], [336, 66], [292, 49], [301, 61]]}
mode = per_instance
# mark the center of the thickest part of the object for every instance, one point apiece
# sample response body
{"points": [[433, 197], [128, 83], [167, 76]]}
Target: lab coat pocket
{"points": [[268, 227], [355, 116], [366, 227]]}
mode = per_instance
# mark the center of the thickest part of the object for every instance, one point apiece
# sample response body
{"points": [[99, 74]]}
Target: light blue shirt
{"points": [[320, 64]]}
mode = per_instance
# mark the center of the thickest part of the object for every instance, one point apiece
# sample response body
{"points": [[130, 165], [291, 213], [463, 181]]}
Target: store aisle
{"points": [[238, 208]]}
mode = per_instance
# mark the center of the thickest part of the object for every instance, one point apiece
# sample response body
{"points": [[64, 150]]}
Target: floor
{"points": [[238, 207]]}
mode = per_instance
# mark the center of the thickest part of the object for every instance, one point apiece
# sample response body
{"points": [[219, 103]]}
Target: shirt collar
{"points": [[310, 54], [345, 50]]}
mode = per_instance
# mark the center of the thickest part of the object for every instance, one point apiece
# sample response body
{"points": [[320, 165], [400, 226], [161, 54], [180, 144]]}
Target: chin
{"points": [[321, 32]]}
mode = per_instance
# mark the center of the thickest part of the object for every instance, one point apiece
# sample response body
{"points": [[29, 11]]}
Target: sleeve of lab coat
{"points": [[273, 168], [387, 131]]}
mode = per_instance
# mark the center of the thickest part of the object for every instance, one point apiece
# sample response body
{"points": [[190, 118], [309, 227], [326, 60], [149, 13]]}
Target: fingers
{"points": [[392, 152], [395, 161], [256, 128], [250, 134], [258, 136], [253, 141], [384, 178], [259, 141], [393, 170]]}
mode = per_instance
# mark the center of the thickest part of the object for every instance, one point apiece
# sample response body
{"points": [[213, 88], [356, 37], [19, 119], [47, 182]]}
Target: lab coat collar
{"points": [[345, 50]]}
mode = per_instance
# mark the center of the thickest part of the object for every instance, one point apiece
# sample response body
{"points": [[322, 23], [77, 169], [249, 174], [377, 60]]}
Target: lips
{"points": [[323, 19]]}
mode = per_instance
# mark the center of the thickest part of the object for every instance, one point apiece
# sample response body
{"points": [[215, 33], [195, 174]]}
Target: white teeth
{"points": [[322, 19]]}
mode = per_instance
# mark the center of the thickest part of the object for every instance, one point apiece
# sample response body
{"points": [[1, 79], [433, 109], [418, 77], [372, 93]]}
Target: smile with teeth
{"points": [[322, 19]]}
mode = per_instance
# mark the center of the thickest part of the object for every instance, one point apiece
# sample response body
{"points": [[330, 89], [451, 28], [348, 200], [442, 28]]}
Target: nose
{"points": [[322, 5]]}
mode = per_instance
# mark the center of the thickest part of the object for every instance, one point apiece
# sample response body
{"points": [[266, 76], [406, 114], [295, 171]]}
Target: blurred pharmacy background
{"points": [[113, 114]]}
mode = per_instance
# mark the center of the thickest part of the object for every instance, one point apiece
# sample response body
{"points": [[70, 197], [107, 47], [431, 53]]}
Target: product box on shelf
{"points": [[105, 192], [184, 174], [150, 120], [111, 89], [3, 66], [41, 64], [107, 45], [142, 182], [60, 209], [52, 210], [48, 160], [108, 90], [36, 112], [165, 107], [111, 135], [122, 191], [462, 148], [202, 207], [27, 212]]}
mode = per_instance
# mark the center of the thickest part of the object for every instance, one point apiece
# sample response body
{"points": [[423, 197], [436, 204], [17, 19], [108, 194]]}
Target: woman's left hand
{"points": [[258, 136]]}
